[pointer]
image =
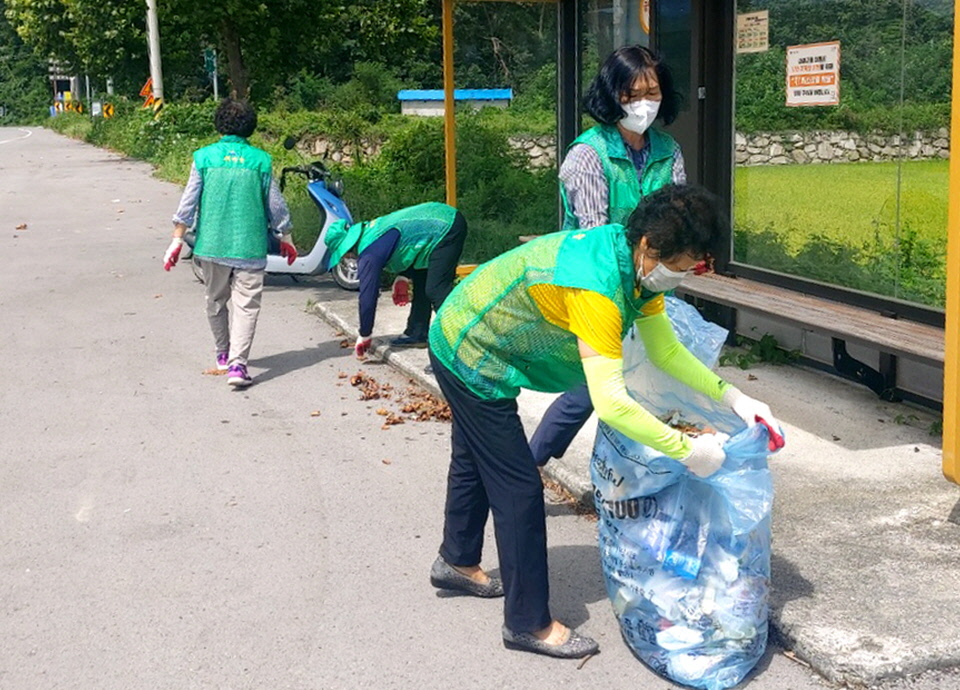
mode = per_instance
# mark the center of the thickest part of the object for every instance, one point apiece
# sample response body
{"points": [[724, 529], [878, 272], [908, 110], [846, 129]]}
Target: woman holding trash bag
{"points": [[550, 316], [421, 243], [605, 173]]}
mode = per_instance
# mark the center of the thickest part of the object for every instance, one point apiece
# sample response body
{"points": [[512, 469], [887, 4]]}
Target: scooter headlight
{"points": [[336, 186]]}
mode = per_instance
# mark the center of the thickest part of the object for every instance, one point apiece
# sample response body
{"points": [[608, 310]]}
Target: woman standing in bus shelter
{"points": [[606, 172]]}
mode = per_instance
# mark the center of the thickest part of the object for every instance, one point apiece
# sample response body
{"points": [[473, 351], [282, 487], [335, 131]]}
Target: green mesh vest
{"points": [[421, 228], [625, 189], [490, 332], [232, 219]]}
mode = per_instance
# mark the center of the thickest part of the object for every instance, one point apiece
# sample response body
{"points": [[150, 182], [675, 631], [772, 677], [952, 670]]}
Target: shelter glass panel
{"points": [[842, 115]]}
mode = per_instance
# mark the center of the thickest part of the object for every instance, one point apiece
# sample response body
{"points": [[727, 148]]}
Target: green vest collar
{"points": [[232, 139], [661, 145]]}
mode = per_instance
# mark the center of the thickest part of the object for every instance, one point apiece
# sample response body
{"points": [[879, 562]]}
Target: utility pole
{"points": [[153, 46]]}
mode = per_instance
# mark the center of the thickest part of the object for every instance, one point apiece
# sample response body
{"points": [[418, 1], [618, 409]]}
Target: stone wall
{"points": [[763, 148], [784, 148], [542, 151]]}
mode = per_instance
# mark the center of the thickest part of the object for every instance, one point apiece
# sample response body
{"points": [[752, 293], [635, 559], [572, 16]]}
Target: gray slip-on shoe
{"points": [[576, 646], [445, 576]]}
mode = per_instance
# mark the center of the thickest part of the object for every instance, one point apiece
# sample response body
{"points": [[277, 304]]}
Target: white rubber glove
{"points": [[707, 455], [172, 254], [362, 346], [748, 409]]}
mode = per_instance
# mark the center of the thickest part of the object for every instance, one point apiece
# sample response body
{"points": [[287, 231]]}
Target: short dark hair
{"points": [[616, 77], [235, 117], [680, 219]]}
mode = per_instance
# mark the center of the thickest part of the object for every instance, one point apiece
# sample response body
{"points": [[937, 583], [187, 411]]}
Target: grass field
{"points": [[848, 224], [850, 202]]}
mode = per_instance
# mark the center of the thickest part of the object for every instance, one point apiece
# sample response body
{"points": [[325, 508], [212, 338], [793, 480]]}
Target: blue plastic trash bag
{"points": [[686, 560]]}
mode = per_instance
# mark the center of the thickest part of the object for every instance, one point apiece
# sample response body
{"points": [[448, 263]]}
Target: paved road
{"points": [[161, 531]]}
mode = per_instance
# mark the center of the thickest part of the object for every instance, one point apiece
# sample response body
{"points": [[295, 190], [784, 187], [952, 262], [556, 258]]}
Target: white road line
{"points": [[28, 133]]}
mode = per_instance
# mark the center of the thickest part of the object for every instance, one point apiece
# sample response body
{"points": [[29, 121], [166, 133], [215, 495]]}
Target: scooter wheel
{"points": [[347, 273]]}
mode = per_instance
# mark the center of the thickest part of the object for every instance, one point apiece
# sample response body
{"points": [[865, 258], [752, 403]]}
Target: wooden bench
{"points": [[841, 322]]}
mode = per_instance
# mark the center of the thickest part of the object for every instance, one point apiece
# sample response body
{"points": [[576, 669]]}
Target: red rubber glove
{"points": [[288, 250], [172, 255], [401, 291], [362, 346]]}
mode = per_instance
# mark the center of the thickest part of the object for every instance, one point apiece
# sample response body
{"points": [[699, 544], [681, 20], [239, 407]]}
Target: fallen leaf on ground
{"points": [[22, 226], [386, 462], [214, 372], [382, 412], [315, 413], [157, 296], [344, 344], [751, 377], [341, 375]]}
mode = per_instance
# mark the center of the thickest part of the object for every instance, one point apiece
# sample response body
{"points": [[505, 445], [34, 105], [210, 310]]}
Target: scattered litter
{"points": [[585, 660], [386, 462], [214, 372], [341, 374], [793, 657], [423, 406], [391, 420], [315, 413], [22, 226], [158, 296]]}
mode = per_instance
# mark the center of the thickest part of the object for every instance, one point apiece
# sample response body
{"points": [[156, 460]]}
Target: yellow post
{"points": [[449, 122], [951, 361]]}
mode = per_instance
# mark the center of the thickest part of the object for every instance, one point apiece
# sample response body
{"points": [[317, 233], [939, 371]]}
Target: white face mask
{"points": [[640, 115], [661, 278]]}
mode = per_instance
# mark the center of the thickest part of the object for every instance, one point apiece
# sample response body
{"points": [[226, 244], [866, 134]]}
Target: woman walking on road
{"points": [[233, 200]]}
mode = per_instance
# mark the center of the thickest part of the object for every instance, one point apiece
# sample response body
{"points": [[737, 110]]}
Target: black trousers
{"points": [[560, 424], [491, 469], [432, 284]]}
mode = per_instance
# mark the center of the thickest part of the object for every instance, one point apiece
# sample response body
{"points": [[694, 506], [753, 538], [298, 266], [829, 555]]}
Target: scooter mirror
{"points": [[289, 143]]}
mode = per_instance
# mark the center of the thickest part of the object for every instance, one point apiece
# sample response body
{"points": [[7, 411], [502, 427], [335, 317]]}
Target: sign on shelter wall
{"points": [[753, 32], [813, 74]]}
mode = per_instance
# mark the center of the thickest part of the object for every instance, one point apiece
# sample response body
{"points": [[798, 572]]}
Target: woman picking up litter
{"points": [[549, 316]]}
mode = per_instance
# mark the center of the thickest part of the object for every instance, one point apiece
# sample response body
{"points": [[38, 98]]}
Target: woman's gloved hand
{"points": [[172, 255], [362, 346], [287, 249], [401, 291], [707, 455], [748, 409]]}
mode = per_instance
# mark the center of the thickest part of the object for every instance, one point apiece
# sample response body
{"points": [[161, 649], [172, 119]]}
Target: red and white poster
{"points": [[813, 74]]}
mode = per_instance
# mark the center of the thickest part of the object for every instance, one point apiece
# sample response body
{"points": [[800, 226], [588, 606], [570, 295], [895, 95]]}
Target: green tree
{"points": [[24, 88]]}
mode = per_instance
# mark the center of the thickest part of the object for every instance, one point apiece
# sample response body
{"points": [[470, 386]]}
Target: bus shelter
{"points": [[826, 127]]}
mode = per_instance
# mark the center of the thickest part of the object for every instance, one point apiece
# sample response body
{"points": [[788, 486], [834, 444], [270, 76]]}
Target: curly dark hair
{"points": [[680, 219], [235, 117], [616, 77]]}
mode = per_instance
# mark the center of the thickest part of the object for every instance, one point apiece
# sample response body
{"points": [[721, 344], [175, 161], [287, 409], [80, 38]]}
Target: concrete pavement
{"points": [[162, 531], [866, 530]]}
